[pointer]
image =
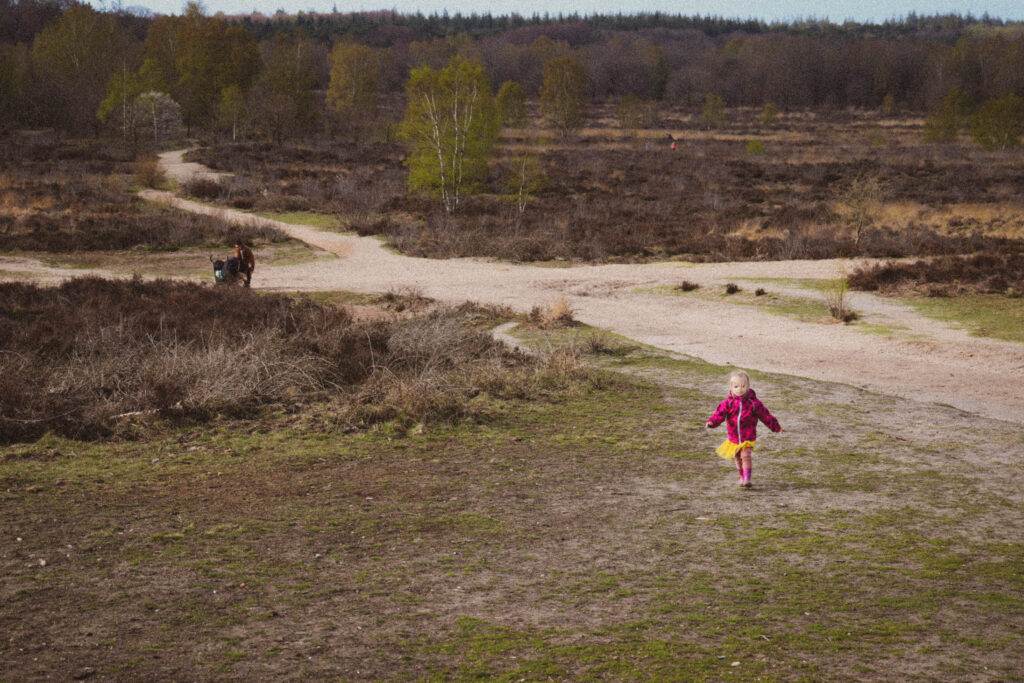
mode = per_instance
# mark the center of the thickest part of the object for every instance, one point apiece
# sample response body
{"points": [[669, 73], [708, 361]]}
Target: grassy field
{"points": [[317, 220], [983, 315], [595, 536], [805, 309]]}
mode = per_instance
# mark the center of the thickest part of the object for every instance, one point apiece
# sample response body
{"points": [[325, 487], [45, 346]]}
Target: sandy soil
{"points": [[22, 269], [928, 361]]}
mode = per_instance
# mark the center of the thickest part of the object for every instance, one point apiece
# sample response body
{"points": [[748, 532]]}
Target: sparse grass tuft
{"points": [[687, 286], [557, 314]]}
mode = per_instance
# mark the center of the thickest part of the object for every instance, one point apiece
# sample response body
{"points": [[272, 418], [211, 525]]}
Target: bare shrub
{"points": [[835, 300], [687, 286], [732, 288], [861, 202], [759, 291], [149, 174], [203, 188]]}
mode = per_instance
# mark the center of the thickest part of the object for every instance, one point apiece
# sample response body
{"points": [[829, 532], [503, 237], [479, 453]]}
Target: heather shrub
{"points": [[203, 188], [88, 357], [56, 197], [988, 272]]}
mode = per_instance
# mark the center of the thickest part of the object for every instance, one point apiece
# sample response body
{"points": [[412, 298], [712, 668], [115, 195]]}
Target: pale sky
{"points": [[836, 10]]}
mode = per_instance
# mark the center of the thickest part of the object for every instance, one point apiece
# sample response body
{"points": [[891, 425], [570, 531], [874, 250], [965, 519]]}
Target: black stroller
{"points": [[227, 272]]}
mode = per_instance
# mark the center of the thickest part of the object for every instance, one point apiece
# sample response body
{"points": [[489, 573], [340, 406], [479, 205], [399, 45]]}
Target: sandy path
{"points": [[24, 269], [933, 362]]}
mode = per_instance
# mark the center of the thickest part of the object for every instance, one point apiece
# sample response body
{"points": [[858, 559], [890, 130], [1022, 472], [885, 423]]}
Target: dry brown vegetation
{"points": [[73, 196], [80, 358], [604, 197], [987, 273], [557, 314]]}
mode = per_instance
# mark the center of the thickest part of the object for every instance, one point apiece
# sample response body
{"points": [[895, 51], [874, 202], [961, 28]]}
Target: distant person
{"points": [[740, 412], [246, 261]]}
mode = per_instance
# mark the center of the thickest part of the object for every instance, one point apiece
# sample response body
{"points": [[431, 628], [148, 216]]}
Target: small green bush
{"points": [[999, 123], [755, 147], [945, 123], [713, 113], [769, 114]]}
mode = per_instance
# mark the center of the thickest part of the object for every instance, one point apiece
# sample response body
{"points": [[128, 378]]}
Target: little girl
{"points": [[740, 411]]}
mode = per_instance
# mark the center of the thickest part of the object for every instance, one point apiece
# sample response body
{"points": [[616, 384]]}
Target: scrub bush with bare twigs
{"points": [[82, 359]]}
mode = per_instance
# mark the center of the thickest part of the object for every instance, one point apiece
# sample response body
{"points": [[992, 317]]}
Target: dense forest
{"points": [[68, 66]]}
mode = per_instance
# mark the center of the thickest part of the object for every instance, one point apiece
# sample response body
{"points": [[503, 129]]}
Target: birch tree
{"points": [[354, 90], [450, 126], [563, 94]]}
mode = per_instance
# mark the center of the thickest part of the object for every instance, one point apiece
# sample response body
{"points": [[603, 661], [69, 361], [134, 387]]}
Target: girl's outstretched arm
{"points": [[766, 417], [718, 417]]}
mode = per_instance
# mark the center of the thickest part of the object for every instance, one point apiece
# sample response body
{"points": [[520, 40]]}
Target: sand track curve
{"points": [[930, 362]]}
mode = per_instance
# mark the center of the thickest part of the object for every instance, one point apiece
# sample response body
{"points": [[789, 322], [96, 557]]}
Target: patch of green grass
{"points": [[312, 219], [340, 298], [620, 352], [467, 523], [593, 538], [16, 274], [817, 284], [880, 329], [804, 309], [581, 337], [983, 315], [289, 253]]}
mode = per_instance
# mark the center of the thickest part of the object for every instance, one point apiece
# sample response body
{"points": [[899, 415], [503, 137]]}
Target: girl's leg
{"points": [[739, 464], [747, 464]]}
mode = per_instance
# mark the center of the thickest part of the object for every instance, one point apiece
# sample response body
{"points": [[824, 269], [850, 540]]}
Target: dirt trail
{"points": [[932, 362], [22, 269]]}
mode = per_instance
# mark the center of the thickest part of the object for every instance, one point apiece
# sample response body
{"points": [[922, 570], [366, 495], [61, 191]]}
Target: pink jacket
{"points": [[740, 415]]}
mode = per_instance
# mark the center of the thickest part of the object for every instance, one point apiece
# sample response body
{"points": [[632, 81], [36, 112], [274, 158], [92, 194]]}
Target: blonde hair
{"points": [[739, 374]]}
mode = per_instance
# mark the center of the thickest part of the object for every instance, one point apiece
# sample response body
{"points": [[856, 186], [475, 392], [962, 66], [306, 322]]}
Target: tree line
{"points": [[67, 65]]}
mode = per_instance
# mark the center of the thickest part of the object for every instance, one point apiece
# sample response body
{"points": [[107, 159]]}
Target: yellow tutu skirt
{"points": [[728, 449]]}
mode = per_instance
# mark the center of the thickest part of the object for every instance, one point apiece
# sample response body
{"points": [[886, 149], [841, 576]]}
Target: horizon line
{"points": [[968, 17]]}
